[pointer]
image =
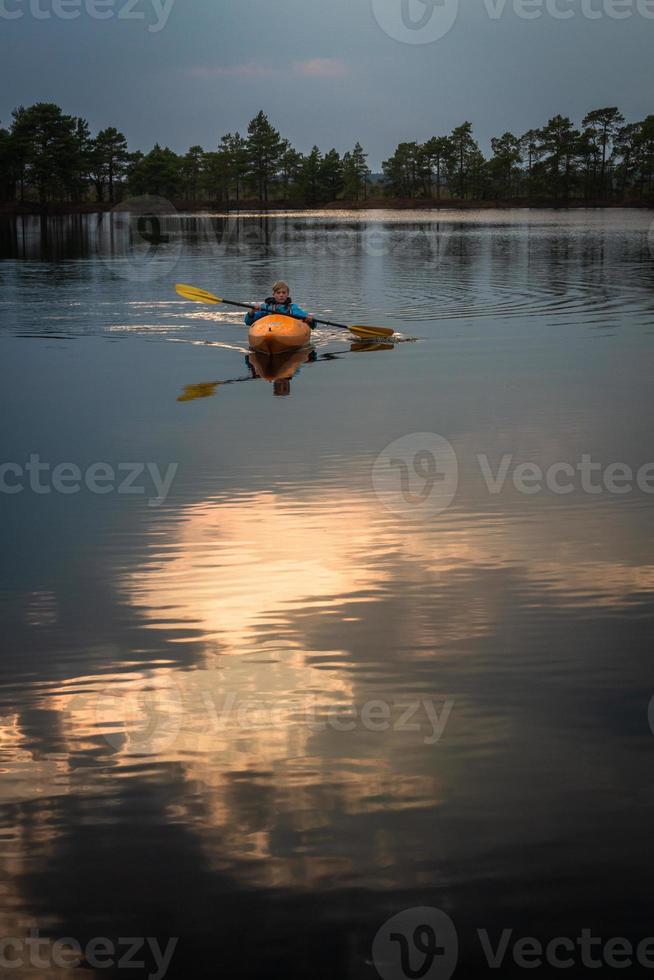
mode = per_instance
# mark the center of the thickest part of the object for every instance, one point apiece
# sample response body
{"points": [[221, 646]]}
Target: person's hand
{"points": [[310, 320], [256, 306]]}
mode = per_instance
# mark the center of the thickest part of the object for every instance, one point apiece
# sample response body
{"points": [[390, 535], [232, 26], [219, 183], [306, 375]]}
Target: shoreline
{"points": [[29, 208]]}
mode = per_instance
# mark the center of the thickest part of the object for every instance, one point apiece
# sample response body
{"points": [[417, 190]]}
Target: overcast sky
{"points": [[326, 72]]}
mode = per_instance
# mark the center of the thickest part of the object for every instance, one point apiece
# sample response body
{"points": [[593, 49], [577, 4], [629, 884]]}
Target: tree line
{"points": [[48, 156], [605, 159]]}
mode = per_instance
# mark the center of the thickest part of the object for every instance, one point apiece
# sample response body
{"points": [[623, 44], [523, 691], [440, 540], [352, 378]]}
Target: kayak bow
{"points": [[278, 334]]}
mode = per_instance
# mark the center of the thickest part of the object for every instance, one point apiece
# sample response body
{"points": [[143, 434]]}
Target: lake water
{"points": [[282, 661]]}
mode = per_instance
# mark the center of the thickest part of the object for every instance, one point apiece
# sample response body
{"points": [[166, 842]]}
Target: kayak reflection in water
{"points": [[275, 368], [279, 368]]}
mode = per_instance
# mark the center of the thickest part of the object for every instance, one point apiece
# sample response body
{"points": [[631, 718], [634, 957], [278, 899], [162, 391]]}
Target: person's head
{"points": [[280, 291], [282, 387]]}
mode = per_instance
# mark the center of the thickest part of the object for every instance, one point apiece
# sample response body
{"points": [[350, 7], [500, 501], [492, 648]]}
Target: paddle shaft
{"points": [[202, 296], [251, 306]]}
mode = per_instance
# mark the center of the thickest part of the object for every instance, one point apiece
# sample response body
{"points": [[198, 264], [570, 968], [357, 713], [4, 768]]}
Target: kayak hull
{"points": [[278, 334]]}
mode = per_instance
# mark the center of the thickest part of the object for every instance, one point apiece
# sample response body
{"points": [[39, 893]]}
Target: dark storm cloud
{"points": [[186, 71]]}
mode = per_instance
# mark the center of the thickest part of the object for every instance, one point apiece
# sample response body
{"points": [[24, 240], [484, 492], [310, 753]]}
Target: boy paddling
{"points": [[279, 302]]}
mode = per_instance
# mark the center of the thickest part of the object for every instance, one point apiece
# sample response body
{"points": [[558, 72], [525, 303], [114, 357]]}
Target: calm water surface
{"points": [[289, 682]]}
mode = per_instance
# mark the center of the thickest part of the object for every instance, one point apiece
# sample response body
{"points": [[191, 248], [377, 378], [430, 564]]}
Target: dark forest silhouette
{"points": [[48, 157]]}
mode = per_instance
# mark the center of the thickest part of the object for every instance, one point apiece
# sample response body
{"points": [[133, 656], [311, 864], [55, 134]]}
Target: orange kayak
{"points": [[278, 334]]}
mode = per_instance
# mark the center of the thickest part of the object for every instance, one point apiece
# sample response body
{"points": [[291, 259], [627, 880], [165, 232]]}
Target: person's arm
{"points": [[254, 314], [298, 311]]}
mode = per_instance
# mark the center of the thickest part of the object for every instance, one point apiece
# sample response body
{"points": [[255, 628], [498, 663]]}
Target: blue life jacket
{"points": [[289, 308]]}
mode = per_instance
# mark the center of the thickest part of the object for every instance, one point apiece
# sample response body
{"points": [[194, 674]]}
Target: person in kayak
{"points": [[279, 302]]}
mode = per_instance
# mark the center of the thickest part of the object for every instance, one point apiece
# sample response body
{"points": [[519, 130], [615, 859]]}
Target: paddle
{"points": [[205, 389], [201, 296]]}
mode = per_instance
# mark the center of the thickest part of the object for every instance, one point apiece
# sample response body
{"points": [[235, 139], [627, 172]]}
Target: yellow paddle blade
{"points": [[369, 345], [203, 390], [196, 295], [372, 332]]}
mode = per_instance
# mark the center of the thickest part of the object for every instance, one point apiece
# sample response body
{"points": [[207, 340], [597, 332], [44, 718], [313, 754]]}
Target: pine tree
{"points": [[290, 167], [503, 168], [46, 146], [464, 149], [236, 159], [110, 160], [404, 171], [310, 176], [562, 141], [80, 160], [331, 176], [603, 125], [216, 174], [646, 155], [356, 173], [437, 153], [532, 149], [8, 166], [625, 149], [192, 164], [158, 172], [265, 147]]}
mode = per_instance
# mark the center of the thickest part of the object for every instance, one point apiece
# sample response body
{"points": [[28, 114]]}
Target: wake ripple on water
{"points": [[463, 295]]}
